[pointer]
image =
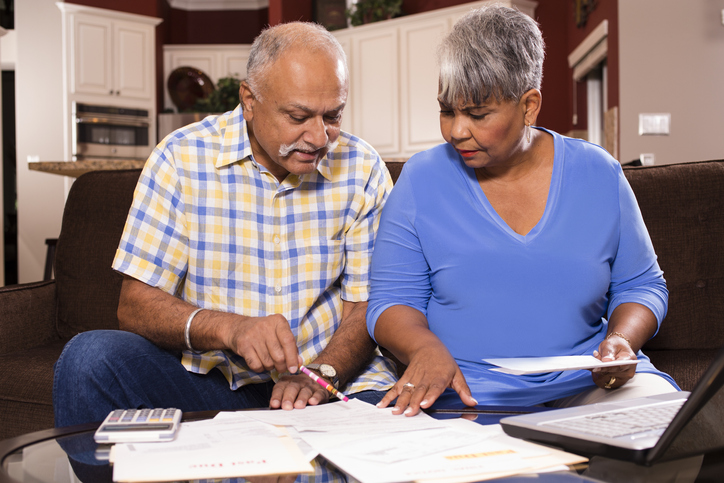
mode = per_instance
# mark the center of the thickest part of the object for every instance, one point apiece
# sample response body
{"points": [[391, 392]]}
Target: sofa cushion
{"points": [[395, 167], [685, 366], [27, 315], [683, 208], [93, 219], [26, 389]]}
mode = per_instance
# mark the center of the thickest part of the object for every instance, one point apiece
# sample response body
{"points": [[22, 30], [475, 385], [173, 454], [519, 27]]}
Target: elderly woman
{"points": [[510, 241]]}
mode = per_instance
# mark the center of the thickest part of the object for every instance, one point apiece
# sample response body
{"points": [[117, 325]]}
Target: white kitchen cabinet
{"points": [[109, 60], [109, 54]]}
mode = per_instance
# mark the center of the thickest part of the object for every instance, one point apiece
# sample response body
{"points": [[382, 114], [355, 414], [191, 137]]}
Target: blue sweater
{"points": [[488, 291]]}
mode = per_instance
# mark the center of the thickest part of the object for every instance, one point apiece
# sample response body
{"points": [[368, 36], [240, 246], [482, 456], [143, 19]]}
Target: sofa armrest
{"points": [[27, 315]]}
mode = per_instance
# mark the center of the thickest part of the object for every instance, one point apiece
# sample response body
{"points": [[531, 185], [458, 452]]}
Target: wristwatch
{"points": [[327, 372]]}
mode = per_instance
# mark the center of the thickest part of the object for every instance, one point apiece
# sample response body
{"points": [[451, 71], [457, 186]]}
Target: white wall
{"points": [[39, 121], [672, 61]]}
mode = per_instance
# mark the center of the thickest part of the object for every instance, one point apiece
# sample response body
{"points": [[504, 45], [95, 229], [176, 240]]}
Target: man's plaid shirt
{"points": [[215, 228]]}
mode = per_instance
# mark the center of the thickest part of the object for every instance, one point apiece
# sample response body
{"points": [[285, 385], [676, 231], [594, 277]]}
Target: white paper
{"points": [[226, 417], [395, 447], [217, 448], [462, 450], [353, 417], [537, 365]]}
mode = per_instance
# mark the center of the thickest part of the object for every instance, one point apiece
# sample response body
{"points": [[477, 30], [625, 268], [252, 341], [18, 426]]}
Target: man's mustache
{"points": [[304, 147]]}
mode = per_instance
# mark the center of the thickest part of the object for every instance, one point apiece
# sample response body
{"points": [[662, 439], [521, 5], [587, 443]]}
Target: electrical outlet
{"points": [[647, 159]]}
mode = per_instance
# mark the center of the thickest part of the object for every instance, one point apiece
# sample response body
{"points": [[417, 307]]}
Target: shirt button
{"points": [[276, 240], [278, 288]]}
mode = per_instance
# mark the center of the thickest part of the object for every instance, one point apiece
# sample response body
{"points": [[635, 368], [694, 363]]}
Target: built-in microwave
{"points": [[110, 132]]}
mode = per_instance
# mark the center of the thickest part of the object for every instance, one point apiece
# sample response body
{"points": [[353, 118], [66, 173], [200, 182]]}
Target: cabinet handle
{"points": [[110, 92]]}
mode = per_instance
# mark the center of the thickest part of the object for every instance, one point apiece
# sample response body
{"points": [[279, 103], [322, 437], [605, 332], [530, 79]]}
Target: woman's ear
{"points": [[531, 103]]}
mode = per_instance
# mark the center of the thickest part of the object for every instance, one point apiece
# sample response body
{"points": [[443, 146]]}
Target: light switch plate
{"points": [[654, 124]]}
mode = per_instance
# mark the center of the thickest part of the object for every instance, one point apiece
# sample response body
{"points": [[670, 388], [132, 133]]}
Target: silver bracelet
{"points": [[187, 330]]}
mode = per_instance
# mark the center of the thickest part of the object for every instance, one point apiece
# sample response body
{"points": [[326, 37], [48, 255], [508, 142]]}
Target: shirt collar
{"points": [[236, 147]]}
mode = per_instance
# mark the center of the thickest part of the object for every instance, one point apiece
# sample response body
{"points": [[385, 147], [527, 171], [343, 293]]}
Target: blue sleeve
{"points": [[400, 273], [635, 273]]}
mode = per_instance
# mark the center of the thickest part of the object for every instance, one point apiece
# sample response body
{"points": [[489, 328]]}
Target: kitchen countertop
{"points": [[76, 168]]}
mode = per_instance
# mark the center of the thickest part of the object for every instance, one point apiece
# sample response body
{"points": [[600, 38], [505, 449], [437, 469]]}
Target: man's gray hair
{"points": [[269, 46], [491, 51]]}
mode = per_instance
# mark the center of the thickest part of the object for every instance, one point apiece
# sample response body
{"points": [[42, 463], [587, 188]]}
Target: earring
{"points": [[527, 132]]}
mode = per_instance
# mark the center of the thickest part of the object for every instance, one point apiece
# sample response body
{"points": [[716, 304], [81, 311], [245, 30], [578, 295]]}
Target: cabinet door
{"points": [[132, 52], [92, 71], [344, 38], [420, 118], [233, 63], [375, 87]]}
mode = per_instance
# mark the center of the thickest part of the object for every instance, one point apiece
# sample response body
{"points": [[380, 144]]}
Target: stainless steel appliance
{"points": [[110, 132]]}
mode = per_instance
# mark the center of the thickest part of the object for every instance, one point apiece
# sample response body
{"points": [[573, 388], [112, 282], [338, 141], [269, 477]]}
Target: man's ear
{"points": [[247, 99], [531, 103]]}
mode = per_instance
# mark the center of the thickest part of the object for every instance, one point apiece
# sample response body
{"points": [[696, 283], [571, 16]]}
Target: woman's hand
{"points": [[629, 327], [614, 348], [431, 370]]}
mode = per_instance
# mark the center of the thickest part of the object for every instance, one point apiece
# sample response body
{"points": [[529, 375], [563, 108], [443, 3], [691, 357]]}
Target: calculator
{"points": [[139, 426]]}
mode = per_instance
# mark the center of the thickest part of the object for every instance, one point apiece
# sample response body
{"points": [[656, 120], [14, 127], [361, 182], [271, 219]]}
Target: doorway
{"points": [[9, 189]]}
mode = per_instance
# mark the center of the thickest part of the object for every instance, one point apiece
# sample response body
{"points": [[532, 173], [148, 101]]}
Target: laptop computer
{"points": [[695, 424]]}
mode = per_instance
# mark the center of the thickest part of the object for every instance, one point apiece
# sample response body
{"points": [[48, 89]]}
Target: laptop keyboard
{"points": [[623, 422]]}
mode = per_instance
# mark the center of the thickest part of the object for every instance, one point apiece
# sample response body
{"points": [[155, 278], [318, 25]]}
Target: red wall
{"points": [[214, 26], [281, 11], [557, 107]]}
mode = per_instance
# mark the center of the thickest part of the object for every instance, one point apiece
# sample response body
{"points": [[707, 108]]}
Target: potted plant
{"points": [[368, 11], [224, 98]]}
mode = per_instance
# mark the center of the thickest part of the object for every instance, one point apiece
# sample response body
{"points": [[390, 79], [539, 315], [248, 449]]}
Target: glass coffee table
{"points": [[70, 455]]}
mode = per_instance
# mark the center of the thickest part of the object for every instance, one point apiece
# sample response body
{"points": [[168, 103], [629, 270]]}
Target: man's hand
{"points": [[265, 343], [295, 391]]}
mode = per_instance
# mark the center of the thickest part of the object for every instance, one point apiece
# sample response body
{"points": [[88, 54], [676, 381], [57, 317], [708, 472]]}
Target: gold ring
{"points": [[610, 382], [408, 385]]}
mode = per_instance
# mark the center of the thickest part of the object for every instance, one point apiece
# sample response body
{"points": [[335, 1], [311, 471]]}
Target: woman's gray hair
{"points": [[491, 51], [269, 46]]}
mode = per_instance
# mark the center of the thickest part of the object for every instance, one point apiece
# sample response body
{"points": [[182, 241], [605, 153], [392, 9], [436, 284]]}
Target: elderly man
{"points": [[246, 250]]}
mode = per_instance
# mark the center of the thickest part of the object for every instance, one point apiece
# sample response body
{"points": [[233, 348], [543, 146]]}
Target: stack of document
{"points": [[367, 443]]}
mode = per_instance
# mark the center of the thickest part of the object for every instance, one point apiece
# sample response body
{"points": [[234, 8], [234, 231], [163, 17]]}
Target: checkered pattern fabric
{"points": [[217, 229]]}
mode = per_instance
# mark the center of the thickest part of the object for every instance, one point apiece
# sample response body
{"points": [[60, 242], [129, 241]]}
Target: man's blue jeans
{"points": [[102, 370]]}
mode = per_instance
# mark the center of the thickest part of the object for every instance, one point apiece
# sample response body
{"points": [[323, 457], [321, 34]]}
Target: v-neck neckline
{"points": [[553, 191]]}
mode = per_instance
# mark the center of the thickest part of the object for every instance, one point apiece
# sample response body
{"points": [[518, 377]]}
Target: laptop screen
{"points": [[699, 426]]}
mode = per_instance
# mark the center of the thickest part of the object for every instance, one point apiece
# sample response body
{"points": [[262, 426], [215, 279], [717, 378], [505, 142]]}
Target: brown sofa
{"points": [[683, 206]]}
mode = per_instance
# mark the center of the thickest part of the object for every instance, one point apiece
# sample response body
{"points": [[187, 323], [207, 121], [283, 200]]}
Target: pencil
{"points": [[324, 383]]}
